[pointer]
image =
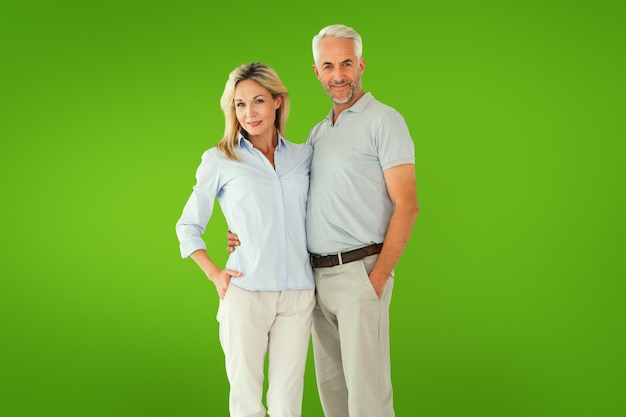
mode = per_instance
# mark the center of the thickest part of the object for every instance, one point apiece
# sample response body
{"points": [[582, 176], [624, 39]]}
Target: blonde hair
{"points": [[268, 79], [338, 31]]}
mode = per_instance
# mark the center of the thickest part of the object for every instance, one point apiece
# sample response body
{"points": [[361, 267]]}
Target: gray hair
{"points": [[338, 31]]}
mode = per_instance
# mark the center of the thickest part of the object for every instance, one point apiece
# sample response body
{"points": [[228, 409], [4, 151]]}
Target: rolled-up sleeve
{"points": [[199, 207]]}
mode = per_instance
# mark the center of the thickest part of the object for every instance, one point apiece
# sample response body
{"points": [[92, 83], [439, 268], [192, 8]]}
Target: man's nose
{"points": [[337, 74]]}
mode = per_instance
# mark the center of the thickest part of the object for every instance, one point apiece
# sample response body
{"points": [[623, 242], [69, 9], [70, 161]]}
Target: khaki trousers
{"points": [[254, 324], [351, 342]]}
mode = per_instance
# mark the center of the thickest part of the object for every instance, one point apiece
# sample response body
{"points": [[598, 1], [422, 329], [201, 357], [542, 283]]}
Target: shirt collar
{"points": [[242, 141], [357, 107]]}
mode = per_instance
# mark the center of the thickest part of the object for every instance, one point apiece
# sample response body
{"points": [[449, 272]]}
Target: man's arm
{"points": [[400, 181]]}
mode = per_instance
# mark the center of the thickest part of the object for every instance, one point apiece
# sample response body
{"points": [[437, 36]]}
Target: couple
{"points": [[331, 273]]}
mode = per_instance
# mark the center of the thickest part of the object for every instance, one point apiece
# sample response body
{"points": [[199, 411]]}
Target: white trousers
{"points": [[351, 342], [254, 324]]}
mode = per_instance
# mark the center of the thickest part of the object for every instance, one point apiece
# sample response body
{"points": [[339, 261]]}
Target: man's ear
{"points": [[317, 73]]}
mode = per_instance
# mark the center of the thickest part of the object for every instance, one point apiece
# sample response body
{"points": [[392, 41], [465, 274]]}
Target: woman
{"points": [[266, 291]]}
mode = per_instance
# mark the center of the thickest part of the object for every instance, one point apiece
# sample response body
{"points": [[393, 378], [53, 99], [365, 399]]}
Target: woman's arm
{"points": [[219, 277]]}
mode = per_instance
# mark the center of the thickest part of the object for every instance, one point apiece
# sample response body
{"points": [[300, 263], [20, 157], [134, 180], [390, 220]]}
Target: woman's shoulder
{"points": [[213, 154], [303, 148]]}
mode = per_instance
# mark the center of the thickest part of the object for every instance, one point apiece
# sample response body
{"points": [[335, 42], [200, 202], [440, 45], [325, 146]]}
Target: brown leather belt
{"points": [[327, 261]]}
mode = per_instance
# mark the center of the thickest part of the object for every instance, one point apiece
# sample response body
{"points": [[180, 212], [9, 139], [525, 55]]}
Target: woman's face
{"points": [[255, 108]]}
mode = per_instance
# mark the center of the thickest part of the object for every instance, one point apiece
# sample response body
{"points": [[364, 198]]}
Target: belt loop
{"points": [[340, 260]]}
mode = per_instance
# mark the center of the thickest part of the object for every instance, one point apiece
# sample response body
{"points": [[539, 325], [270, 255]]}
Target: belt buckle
{"points": [[323, 261]]}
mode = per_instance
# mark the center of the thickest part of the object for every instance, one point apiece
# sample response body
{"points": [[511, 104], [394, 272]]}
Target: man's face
{"points": [[339, 70]]}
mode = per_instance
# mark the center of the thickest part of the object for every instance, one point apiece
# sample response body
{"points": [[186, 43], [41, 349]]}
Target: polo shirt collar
{"points": [[357, 107]]}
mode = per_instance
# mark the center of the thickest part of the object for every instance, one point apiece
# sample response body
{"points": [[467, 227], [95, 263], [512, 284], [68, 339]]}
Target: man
{"points": [[362, 194]]}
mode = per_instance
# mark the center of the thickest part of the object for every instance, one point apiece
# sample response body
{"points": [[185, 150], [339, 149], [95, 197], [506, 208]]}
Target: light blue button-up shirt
{"points": [[266, 207]]}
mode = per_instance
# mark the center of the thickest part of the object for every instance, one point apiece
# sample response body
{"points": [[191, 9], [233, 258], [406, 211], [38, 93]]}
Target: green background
{"points": [[509, 299]]}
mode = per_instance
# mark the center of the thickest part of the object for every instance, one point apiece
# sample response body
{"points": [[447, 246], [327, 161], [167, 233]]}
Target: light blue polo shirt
{"points": [[349, 205]]}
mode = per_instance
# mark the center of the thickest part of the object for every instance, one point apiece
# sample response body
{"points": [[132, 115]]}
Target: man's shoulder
{"points": [[317, 125], [379, 108], [313, 132], [381, 114]]}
